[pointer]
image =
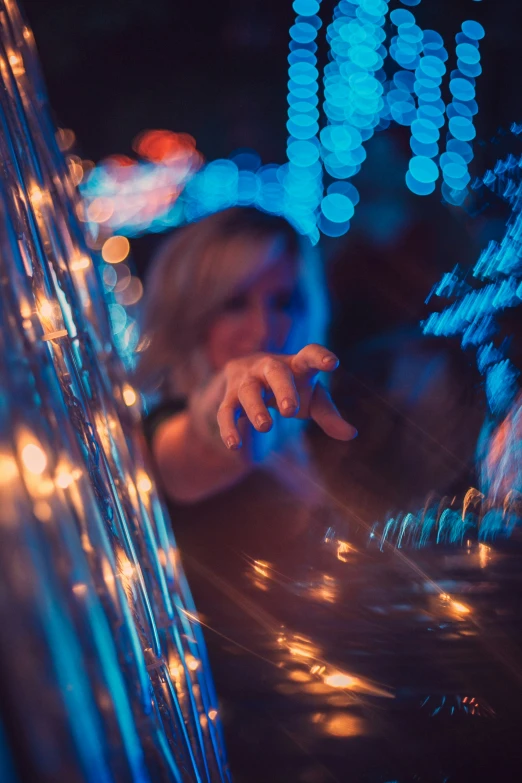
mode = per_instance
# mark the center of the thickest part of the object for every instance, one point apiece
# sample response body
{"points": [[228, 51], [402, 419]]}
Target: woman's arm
{"points": [[199, 452], [191, 457]]}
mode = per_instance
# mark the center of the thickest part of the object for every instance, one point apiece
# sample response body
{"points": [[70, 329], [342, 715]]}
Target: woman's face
{"points": [[256, 318]]}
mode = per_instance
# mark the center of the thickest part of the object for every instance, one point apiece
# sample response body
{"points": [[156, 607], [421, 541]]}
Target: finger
{"points": [[250, 395], [227, 422], [326, 415], [313, 359], [280, 380]]}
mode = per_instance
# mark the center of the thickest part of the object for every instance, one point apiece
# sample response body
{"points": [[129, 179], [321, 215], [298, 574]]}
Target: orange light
{"points": [[46, 309], [129, 395], [115, 249], [64, 479], [8, 469], [339, 680], [144, 483], [460, 608], [192, 663], [80, 263], [34, 459]]}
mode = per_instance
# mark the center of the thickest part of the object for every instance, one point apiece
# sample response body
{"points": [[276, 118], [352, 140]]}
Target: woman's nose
{"points": [[258, 328]]}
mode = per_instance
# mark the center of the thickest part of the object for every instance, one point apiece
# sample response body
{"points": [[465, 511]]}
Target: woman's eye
{"points": [[289, 300], [235, 304]]}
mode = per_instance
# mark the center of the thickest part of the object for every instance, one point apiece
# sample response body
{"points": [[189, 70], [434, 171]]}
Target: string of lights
{"points": [[103, 667], [313, 189]]}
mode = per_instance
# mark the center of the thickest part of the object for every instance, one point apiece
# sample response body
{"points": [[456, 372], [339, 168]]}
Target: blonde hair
{"points": [[193, 275]]}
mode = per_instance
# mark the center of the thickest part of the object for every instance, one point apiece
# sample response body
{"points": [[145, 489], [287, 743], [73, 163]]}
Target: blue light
{"points": [[473, 30], [425, 131], [401, 16], [462, 148], [303, 153], [303, 32], [425, 150], [419, 188], [468, 53], [423, 169], [337, 207], [432, 113], [347, 189], [331, 229], [462, 128], [410, 33], [462, 89], [306, 7], [432, 66], [469, 69]]}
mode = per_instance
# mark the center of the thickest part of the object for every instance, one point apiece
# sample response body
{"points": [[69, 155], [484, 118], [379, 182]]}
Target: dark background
{"points": [[218, 70]]}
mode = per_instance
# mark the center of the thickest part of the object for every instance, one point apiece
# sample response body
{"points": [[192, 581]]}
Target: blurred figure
{"points": [[231, 309], [235, 312]]}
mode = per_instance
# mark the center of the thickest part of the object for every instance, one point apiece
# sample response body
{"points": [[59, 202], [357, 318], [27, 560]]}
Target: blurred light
{"points": [[144, 483], [473, 30], [34, 458], [80, 263], [340, 680], [8, 469], [131, 294], [65, 138], [115, 249], [129, 395], [192, 663], [100, 210], [64, 479]]}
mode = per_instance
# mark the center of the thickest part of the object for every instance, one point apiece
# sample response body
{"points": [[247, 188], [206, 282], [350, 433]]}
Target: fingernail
{"points": [[287, 404], [232, 444], [261, 421], [331, 359]]}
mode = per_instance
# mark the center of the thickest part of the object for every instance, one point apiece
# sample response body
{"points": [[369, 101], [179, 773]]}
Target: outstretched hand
{"points": [[288, 383]]}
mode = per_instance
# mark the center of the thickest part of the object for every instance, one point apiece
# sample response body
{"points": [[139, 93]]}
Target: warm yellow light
{"points": [[64, 479], [129, 395], [36, 195], [42, 511], [16, 63], [8, 469], [343, 548], [144, 483], [339, 680], [34, 458], [212, 714], [115, 249], [460, 608], [192, 663], [46, 309], [484, 555], [80, 263], [127, 569], [300, 652]]}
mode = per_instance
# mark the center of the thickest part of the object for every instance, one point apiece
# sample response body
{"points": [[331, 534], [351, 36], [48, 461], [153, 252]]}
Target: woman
{"points": [[229, 302], [234, 314]]}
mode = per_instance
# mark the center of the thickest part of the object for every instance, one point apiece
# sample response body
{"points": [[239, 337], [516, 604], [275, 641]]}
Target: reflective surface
{"points": [[338, 661]]}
